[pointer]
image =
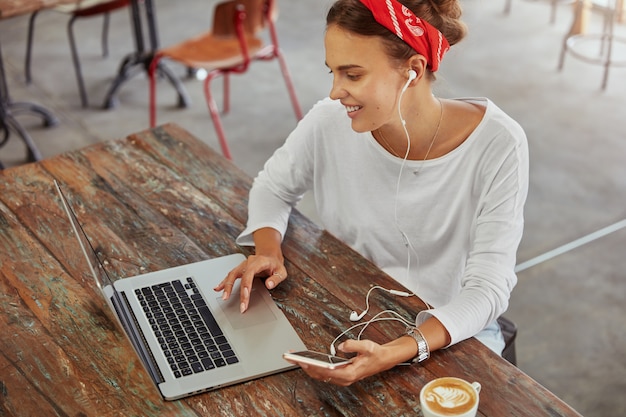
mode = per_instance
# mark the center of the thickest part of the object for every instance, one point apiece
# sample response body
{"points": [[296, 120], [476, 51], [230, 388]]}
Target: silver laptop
{"points": [[189, 339]]}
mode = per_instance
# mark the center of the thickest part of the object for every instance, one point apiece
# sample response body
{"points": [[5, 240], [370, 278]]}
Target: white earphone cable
{"points": [[365, 324], [407, 241]]}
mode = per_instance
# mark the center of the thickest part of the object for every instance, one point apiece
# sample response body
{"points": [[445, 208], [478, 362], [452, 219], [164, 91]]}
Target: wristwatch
{"points": [[423, 351]]}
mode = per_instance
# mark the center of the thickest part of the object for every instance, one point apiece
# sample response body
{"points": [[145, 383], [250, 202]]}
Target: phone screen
{"points": [[317, 358], [321, 356]]}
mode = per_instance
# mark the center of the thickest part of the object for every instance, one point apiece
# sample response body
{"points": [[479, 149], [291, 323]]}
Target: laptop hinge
{"points": [[136, 336]]}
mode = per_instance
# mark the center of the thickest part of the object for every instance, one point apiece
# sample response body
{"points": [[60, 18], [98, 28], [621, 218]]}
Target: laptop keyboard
{"points": [[189, 336]]}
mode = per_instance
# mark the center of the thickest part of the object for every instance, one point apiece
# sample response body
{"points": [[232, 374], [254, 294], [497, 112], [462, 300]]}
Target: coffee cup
{"points": [[449, 397]]}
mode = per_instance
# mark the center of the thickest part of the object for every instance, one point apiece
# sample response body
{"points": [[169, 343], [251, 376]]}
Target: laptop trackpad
{"points": [[258, 311]]}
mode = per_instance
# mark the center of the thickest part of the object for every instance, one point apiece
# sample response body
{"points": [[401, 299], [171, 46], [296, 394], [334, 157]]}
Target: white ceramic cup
{"points": [[450, 397]]}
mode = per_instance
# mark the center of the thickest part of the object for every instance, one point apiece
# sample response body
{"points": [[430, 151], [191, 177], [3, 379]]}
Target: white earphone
{"points": [[354, 316], [412, 76]]}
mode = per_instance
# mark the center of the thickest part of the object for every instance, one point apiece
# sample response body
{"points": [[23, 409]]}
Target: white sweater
{"points": [[462, 212]]}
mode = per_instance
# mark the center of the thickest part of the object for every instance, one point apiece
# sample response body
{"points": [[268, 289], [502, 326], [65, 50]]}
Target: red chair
{"points": [[80, 9], [230, 47]]}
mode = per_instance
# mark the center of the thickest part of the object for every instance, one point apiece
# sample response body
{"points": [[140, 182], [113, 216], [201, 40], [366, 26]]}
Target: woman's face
{"points": [[364, 79]]}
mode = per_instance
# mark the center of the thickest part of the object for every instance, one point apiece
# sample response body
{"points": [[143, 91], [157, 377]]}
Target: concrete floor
{"points": [[569, 307]]}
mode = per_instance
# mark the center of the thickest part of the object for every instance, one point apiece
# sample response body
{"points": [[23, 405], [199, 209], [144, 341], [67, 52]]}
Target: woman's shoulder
{"points": [[492, 122], [493, 115], [482, 129], [471, 123]]}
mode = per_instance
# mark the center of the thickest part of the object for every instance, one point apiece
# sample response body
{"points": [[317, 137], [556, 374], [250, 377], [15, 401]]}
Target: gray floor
{"points": [[569, 307]]}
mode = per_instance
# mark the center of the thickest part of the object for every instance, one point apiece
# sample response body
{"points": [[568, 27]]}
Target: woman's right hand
{"points": [[267, 262]]}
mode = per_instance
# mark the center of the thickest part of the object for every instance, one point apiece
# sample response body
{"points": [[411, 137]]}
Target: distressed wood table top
{"points": [[162, 198], [11, 8]]}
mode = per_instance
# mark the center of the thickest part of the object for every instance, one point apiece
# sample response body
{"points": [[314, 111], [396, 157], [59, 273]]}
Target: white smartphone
{"points": [[317, 359]]}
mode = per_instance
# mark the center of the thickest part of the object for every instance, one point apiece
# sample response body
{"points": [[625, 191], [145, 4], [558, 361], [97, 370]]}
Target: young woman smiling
{"points": [[431, 190]]}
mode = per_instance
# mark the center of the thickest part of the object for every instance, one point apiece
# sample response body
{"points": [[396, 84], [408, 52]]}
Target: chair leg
{"points": [[226, 108], [554, 5], [507, 6], [105, 35], [29, 46], [79, 76], [152, 70], [215, 114], [292, 91], [577, 27], [276, 52], [562, 55], [605, 76], [608, 30]]}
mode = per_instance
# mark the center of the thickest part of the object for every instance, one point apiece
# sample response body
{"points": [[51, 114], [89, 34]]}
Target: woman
{"points": [[431, 190]]}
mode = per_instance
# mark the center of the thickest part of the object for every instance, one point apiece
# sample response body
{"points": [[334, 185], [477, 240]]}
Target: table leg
{"points": [[8, 122], [140, 59], [24, 107], [126, 71], [135, 63]]}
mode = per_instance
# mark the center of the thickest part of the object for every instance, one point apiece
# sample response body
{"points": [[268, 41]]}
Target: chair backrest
{"points": [[257, 13]]}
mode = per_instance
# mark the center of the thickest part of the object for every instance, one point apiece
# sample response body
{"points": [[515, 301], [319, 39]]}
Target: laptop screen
{"points": [[97, 268]]}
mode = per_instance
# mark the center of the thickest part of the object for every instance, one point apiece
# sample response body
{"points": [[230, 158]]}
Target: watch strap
{"points": [[423, 351]]}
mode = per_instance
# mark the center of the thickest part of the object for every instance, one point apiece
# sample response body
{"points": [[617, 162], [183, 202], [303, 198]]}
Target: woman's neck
{"points": [[423, 126]]}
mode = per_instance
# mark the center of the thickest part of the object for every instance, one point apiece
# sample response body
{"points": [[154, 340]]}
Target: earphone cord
{"points": [[376, 318], [407, 242], [367, 296], [367, 323]]}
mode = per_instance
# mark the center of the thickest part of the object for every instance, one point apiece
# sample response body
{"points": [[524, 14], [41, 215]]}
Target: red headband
{"points": [[417, 33]]}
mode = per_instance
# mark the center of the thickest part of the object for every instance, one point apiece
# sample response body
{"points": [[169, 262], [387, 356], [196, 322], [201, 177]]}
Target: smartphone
{"points": [[317, 359]]}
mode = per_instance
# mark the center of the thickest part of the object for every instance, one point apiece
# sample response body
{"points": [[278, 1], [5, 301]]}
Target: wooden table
{"points": [[161, 198]]}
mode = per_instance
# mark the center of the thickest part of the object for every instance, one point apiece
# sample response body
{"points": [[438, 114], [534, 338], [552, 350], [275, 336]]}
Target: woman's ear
{"points": [[418, 64]]}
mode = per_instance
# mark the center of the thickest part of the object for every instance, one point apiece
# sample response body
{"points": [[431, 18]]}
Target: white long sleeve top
{"points": [[462, 212]]}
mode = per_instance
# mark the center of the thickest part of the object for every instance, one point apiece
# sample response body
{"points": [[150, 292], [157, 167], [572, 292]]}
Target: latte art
{"points": [[449, 397]]}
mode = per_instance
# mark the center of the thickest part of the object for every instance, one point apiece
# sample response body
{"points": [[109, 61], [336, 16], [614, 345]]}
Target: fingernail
{"points": [[242, 307], [270, 284], [224, 295]]}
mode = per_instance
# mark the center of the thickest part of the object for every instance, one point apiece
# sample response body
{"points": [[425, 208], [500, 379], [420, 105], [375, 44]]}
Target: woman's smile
{"points": [[352, 110]]}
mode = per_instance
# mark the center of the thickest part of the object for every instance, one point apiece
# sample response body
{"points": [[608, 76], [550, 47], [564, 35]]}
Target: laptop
{"points": [[189, 340]]}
